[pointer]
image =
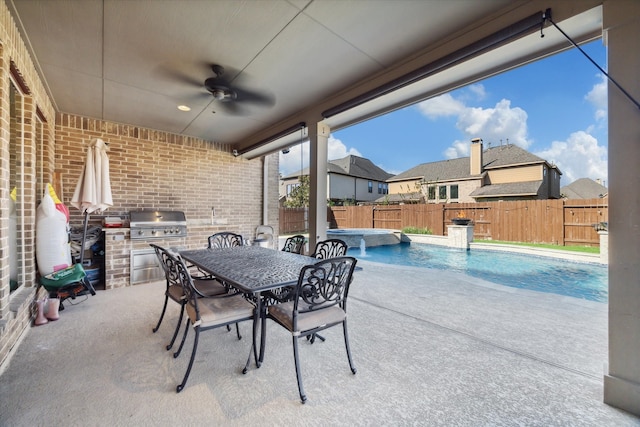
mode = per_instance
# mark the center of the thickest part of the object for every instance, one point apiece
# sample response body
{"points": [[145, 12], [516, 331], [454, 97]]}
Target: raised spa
{"points": [[371, 236]]}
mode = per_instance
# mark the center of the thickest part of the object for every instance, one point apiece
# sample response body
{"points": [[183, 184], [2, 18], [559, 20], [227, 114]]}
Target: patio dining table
{"points": [[251, 270]]}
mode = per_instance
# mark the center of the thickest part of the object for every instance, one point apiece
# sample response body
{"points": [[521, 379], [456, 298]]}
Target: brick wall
{"points": [[156, 170], [16, 307]]}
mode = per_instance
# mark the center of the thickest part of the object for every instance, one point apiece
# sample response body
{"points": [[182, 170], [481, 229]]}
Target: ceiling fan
{"points": [[231, 96]]}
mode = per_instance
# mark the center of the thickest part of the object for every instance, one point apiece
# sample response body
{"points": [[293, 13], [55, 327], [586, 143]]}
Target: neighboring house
{"points": [[506, 172], [352, 179], [584, 188]]}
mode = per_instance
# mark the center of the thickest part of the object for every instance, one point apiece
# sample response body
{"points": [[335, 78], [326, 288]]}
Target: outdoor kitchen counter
{"points": [[118, 247]]}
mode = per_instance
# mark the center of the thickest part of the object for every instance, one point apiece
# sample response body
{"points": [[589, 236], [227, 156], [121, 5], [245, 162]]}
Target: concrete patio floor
{"points": [[431, 347]]}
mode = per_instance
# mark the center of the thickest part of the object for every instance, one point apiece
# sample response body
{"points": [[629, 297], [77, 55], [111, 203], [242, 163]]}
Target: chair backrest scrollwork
{"points": [[324, 284], [330, 248], [186, 281], [225, 239], [294, 244], [167, 260]]}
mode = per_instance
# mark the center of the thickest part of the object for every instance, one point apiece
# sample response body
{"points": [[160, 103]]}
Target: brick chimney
{"points": [[476, 156]]}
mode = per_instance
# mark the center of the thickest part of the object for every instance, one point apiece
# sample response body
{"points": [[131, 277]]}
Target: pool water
{"points": [[544, 274]]}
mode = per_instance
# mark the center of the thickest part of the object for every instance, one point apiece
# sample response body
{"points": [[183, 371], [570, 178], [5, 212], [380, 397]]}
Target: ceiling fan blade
{"points": [[229, 98], [230, 107], [223, 75], [262, 98], [173, 75], [197, 97]]}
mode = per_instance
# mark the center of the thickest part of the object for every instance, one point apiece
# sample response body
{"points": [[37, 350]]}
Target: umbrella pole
{"points": [[84, 236], [85, 281]]}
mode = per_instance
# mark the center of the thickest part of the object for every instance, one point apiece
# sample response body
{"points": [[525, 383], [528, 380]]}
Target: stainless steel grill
{"points": [[152, 225], [146, 225]]}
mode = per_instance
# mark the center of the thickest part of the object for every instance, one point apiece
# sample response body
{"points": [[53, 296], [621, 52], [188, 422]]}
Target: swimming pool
{"points": [[579, 280]]}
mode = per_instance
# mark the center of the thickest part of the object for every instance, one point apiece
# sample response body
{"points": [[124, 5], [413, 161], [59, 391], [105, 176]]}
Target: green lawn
{"points": [[582, 249]]}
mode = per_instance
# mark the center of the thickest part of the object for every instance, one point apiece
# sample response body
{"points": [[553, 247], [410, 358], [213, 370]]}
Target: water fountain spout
{"points": [[363, 248]]}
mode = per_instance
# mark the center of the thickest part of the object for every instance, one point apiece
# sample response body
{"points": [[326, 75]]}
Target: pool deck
{"points": [[432, 348]]}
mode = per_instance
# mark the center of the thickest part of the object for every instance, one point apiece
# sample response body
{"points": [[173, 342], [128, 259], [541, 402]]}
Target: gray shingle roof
{"points": [[511, 189], [359, 167], [398, 198], [494, 157], [352, 166], [584, 188]]}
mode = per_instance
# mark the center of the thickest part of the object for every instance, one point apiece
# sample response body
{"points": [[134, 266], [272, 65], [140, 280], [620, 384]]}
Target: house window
{"points": [[453, 190], [379, 188], [431, 192], [442, 192], [290, 187], [385, 188], [370, 187]]}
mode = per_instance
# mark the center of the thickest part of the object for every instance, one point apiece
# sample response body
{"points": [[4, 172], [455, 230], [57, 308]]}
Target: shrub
{"points": [[416, 230]]}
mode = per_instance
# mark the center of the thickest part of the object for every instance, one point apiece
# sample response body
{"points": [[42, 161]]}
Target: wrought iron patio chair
{"points": [[207, 313], [319, 302], [221, 240], [294, 244], [325, 249], [330, 248], [225, 239], [173, 290]]}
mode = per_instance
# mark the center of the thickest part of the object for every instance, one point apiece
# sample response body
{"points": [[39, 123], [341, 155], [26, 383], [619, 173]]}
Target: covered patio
{"points": [[436, 348], [450, 355]]}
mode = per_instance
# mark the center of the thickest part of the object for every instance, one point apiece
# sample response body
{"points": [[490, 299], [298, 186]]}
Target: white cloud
{"points": [[337, 150], [494, 124], [290, 162], [501, 123], [441, 106], [597, 97], [478, 90], [457, 149], [580, 156]]}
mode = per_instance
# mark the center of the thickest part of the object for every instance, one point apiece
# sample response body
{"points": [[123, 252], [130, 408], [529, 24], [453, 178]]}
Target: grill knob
{"points": [[140, 232]]}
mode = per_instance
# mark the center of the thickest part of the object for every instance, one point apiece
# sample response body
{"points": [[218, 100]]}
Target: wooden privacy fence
{"points": [[561, 222], [293, 220]]}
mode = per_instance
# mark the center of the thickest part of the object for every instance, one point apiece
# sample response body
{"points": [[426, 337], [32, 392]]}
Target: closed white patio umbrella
{"points": [[93, 191]]}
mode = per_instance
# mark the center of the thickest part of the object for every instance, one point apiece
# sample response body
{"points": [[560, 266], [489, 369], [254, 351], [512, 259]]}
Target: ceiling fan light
{"points": [[218, 94]]}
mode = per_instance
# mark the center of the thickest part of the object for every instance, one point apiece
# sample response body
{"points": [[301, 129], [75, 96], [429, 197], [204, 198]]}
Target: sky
{"points": [[556, 108]]}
